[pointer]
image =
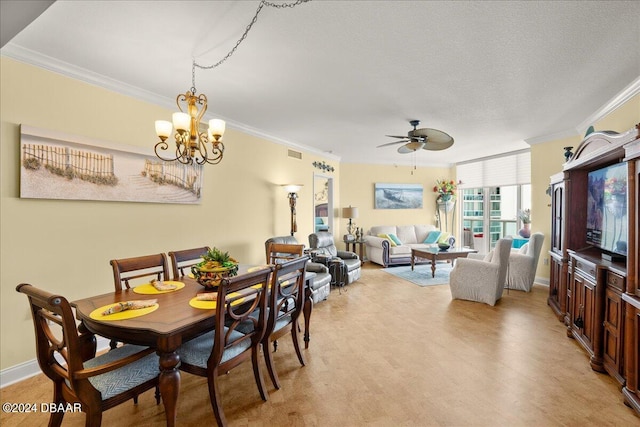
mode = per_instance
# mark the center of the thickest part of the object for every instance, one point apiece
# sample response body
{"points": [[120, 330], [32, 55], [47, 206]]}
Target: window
{"points": [[493, 191]]}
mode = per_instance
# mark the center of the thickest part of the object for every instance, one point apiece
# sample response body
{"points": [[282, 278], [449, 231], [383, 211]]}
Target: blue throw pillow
{"points": [[432, 237], [395, 239]]}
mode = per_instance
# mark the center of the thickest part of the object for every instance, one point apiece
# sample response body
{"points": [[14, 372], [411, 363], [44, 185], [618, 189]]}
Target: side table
{"points": [[351, 246]]}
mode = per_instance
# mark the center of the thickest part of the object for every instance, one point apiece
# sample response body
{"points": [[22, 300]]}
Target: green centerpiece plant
{"points": [[215, 265]]}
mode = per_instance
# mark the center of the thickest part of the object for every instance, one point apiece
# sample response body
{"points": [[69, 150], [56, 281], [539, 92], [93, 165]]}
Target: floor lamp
{"points": [[292, 190]]}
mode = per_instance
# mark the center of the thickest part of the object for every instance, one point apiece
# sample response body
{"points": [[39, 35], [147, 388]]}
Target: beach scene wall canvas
{"points": [[398, 196], [61, 166]]}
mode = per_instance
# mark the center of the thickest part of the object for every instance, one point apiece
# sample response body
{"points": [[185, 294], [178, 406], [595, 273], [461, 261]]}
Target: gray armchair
{"points": [[523, 264], [321, 279], [481, 280], [322, 243]]}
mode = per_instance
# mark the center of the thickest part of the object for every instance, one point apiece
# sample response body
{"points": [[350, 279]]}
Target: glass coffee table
{"points": [[437, 254]]}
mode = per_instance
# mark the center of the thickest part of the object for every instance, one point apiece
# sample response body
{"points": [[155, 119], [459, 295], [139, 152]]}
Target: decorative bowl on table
{"points": [[215, 266], [443, 246]]}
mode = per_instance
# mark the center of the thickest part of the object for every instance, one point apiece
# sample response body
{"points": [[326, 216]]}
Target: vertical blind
{"points": [[503, 170]]}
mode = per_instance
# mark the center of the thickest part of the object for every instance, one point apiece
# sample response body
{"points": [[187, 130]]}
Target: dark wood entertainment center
{"points": [[598, 299]]}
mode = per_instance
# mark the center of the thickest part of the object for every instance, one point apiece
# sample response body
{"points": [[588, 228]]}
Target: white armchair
{"points": [[523, 264], [481, 280]]}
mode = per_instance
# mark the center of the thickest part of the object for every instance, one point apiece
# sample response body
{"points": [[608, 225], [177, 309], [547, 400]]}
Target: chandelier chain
{"points": [[241, 39]]}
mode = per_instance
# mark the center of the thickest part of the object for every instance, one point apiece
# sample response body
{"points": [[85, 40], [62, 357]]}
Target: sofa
{"points": [[318, 273], [382, 250]]}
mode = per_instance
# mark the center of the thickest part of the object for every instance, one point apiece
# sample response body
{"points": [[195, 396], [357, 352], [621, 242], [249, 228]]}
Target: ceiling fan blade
{"points": [[393, 143], [395, 136], [437, 146], [433, 135]]}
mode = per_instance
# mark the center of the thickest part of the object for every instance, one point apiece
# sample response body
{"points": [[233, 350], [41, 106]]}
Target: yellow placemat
{"points": [[211, 305], [148, 289], [256, 268], [127, 314]]}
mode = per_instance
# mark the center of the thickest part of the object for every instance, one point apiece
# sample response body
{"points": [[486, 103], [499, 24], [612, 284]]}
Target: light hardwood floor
{"points": [[387, 353]]}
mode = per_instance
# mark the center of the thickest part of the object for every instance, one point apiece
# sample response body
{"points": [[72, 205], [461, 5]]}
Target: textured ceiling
{"points": [[338, 76]]}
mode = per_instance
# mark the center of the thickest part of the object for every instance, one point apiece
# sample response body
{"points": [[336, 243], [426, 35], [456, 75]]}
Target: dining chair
{"points": [[147, 266], [240, 299], [286, 302], [277, 253], [184, 259], [318, 274], [66, 354]]}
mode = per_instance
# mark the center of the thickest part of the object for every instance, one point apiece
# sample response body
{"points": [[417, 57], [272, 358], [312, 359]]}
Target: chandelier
{"points": [[192, 143]]}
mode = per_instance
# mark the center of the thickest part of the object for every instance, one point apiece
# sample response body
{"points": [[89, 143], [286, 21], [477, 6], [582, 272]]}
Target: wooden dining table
{"points": [[165, 329]]}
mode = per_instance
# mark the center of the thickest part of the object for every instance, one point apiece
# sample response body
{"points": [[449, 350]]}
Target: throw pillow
{"points": [[386, 236], [394, 239], [432, 237], [444, 237]]}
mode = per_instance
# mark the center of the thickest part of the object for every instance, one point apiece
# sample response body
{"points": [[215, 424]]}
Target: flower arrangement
{"points": [[446, 189], [525, 216]]}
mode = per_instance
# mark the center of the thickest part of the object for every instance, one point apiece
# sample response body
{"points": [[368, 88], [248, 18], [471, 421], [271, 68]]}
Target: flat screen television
{"points": [[607, 209]]}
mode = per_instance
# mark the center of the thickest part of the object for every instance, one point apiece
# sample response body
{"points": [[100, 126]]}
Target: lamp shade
{"points": [[350, 212], [181, 121], [217, 127], [163, 128], [292, 188]]}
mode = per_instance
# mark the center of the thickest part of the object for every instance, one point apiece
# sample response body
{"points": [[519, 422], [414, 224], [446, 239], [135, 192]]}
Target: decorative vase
{"points": [[445, 197], [446, 205], [525, 231]]}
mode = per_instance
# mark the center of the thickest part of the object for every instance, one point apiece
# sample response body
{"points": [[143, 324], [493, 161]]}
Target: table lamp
{"points": [[350, 213]]}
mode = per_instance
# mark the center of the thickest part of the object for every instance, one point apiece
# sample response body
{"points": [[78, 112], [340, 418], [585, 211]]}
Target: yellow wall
{"points": [[65, 246], [547, 159], [357, 189]]}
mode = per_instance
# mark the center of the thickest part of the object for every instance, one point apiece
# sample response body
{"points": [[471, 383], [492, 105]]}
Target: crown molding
{"points": [[625, 95], [54, 65], [569, 133]]}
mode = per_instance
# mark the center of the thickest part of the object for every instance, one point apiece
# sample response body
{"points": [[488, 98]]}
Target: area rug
{"points": [[421, 275]]}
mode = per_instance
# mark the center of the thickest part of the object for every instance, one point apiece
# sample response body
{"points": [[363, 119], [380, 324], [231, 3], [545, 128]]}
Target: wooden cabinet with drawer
{"points": [[585, 307]]}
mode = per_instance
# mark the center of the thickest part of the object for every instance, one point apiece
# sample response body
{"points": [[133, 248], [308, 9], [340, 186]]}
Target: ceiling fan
{"points": [[425, 138]]}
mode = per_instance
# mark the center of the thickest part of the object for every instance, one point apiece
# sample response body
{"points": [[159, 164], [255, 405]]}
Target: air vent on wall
{"points": [[295, 154]]}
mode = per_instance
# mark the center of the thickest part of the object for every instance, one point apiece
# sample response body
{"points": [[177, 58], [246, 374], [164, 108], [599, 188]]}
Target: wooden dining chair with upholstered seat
{"points": [[147, 266], [286, 302], [66, 354], [181, 261], [277, 253], [239, 300]]}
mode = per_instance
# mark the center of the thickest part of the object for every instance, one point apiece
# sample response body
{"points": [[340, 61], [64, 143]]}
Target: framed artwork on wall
{"points": [[54, 165], [398, 196]]}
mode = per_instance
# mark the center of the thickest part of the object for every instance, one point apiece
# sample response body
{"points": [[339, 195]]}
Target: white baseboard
{"points": [[539, 281], [31, 368]]}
